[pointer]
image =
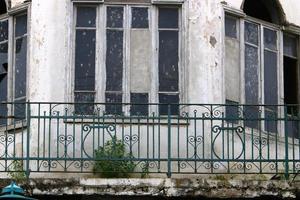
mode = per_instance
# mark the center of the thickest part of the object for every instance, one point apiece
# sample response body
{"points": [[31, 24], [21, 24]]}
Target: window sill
{"points": [[13, 128], [126, 121]]}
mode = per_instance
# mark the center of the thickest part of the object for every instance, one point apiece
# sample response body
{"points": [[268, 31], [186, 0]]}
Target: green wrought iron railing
{"points": [[158, 138]]}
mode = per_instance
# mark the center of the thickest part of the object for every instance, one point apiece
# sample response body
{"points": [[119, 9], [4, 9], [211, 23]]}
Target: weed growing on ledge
{"points": [[17, 172], [112, 160]]}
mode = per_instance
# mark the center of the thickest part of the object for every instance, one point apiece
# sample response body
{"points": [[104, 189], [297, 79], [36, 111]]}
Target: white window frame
{"points": [[100, 68], [10, 16], [241, 19]]}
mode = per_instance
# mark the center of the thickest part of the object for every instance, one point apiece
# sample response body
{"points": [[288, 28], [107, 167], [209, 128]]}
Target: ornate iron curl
{"points": [[297, 166], [216, 112], [130, 140], [242, 166], [183, 165], [68, 139], [82, 164], [49, 164], [87, 128], [257, 142], [195, 141], [6, 139], [146, 165], [212, 165], [238, 130]]}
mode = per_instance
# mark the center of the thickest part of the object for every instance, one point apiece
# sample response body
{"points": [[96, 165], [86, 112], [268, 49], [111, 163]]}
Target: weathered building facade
{"points": [[189, 86]]}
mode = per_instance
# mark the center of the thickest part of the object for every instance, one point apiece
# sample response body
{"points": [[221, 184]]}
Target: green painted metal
{"points": [[189, 139]]}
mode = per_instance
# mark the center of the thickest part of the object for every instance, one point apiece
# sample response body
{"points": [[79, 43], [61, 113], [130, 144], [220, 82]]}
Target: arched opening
{"points": [[3, 7], [267, 10]]}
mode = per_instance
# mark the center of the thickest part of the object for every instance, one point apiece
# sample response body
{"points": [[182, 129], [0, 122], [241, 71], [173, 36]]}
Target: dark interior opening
{"points": [[3, 8], [267, 10], [290, 82]]}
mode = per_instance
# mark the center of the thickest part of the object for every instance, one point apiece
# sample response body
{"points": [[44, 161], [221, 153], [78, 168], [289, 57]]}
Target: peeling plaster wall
{"points": [[204, 51], [291, 9], [49, 52]]}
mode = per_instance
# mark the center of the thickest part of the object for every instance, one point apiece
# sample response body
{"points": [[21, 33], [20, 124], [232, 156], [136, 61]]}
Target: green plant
{"points": [[112, 160], [17, 172]]}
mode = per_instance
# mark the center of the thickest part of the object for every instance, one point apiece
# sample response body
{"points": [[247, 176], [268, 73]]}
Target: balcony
{"points": [[165, 139]]}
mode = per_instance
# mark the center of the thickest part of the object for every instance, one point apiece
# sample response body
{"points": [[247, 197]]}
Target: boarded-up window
{"points": [[168, 26]]}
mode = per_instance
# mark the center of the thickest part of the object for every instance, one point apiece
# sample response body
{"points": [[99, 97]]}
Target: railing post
{"points": [[286, 143], [28, 118], [169, 174]]}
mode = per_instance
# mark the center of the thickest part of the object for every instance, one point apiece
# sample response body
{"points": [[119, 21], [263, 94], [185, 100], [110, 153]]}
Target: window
{"points": [[126, 54], [253, 75], [13, 73]]}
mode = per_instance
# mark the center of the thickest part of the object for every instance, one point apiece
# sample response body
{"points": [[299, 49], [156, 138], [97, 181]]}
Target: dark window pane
{"points": [[230, 27], [115, 17], [251, 116], [113, 106], [85, 60], [140, 18], [290, 81], [3, 82], [20, 67], [21, 25], [251, 74], [86, 17], [168, 18], [270, 39], [86, 100], [114, 60], [168, 61], [251, 33], [3, 58], [251, 86], [3, 30], [169, 99], [3, 113], [290, 46], [271, 119], [20, 109], [270, 77], [232, 111], [139, 98], [292, 126]]}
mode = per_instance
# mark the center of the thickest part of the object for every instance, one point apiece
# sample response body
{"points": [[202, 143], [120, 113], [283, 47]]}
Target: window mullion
{"points": [[11, 70], [126, 63], [242, 61], [154, 70]]}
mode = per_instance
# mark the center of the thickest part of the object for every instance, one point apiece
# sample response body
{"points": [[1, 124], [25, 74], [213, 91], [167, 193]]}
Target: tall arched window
{"points": [[254, 62]]}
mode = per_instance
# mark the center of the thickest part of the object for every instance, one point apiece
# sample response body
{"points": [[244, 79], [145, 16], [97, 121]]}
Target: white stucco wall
{"points": [[49, 50]]}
